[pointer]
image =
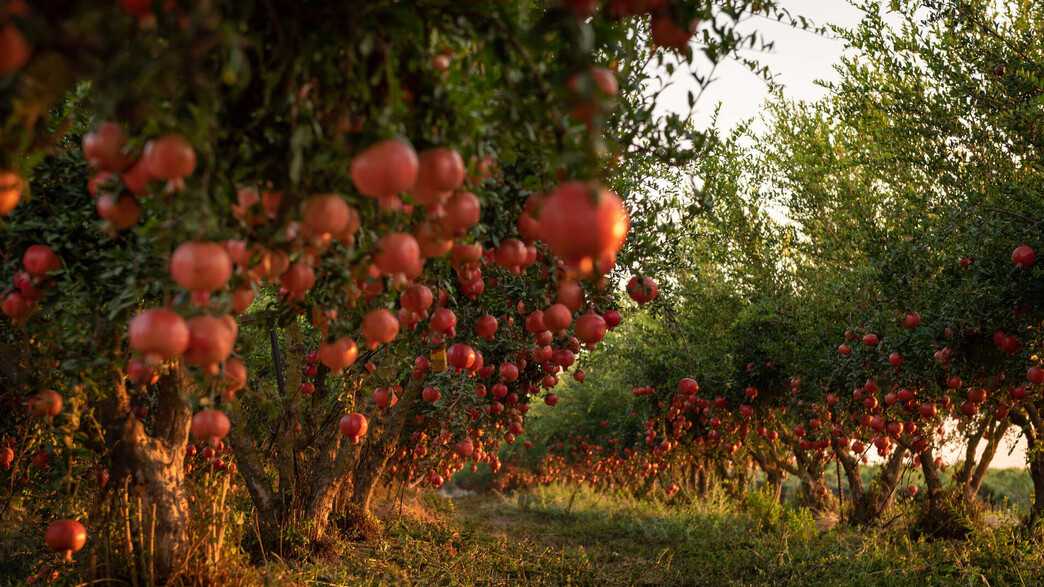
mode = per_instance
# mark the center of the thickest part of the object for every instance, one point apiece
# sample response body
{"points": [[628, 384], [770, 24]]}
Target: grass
{"points": [[558, 535]]}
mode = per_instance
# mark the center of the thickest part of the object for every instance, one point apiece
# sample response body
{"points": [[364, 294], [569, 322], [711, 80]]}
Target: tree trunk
{"points": [[702, 481], [156, 464], [1027, 417]]}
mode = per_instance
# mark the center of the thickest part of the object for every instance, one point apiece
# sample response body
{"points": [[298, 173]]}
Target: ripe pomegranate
{"points": [[210, 426], [571, 295], [557, 318], [508, 372], [385, 169], [584, 225], [464, 448], [104, 148], [579, 376], [39, 260], [235, 376], [18, 306], [338, 354], [870, 339], [66, 537], [460, 356], [430, 394], [1023, 257], [417, 299], [170, 157], [642, 289], [461, 213], [210, 341], [241, 299], [590, 328], [354, 426], [298, 278], [511, 254], [11, 188], [668, 34], [122, 212], [590, 89], [201, 266], [397, 253], [14, 49], [46, 404], [441, 171], [911, 320], [486, 326], [6, 457], [379, 326], [430, 241], [137, 178], [326, 214], [1035, 375], [442, 321], [159, 335], [141, 374]]}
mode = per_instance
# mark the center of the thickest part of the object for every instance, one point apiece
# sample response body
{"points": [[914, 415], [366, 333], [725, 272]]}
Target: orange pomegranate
{"points": [[325, 214], [66, 537], [379, 326], [441, 171], [159, 335], [201, 266], [338, 354], [584, 225], [11, 188]]}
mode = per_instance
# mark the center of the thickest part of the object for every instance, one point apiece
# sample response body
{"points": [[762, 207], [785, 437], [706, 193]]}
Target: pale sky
{"points": [[797, 59]]}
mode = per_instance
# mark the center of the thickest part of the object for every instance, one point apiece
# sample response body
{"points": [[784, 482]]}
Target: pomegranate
{"points": [[460, 356], [612, 319], [170, 157], [66, 537], [557, 317], [462, 212], [298, 278], [442, 321], [210, 341], [508, 372], [210, 426], [39, 260], [590, 328], [385, 169], [201, 266], [1023, 257], [379, 326], [122, 212], [46, 404], [326, 214], [571, 295], [159, 335], [14, 49], [441, 171], [642, 289], [417, 299], [354, 426], [911, 320], [430, 394], [11, 188], [235, 376], [486, 326], [668, 34], [584, 225], [397, 253], [511, 254], [104, 148], [338, 354]]}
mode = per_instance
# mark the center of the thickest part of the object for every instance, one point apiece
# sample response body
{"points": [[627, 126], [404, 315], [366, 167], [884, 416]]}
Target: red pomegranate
{"points": [[464, 448], [326, 214], [298, 278], [159, 335], [14, 49], [584, 225], [579, 376], [104, 147], [590, 89], [441, 171], [486, 326], [137, 178], [668, 34], [139, 373], [210, 426], [122, 212], [241, 299], [460, 356], [442, 321], [338, 354], [430, 394], [379, 326], [590, 328], [911, 320], [169, 157], [18, 306], [235, 376], [508, 372], [557, 317], [511, 254], [397, 253], [642, 289], [1023, 257], [201, 266], [354, 426], [417, 299], [612, 319], [39, 260], [461, 213], [870, 339], [430, 241], [66, 537], [385, 169], [210, 341], [535, 322], [46, 404]]}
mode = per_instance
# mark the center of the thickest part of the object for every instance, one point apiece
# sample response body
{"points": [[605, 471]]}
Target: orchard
{"points": [[275, 272]]}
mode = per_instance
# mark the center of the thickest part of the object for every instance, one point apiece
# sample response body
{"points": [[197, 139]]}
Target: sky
{"points": [[797, 59]]}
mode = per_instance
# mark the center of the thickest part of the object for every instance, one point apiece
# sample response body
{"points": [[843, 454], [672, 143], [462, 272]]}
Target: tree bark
{"points": [[156, 464]]}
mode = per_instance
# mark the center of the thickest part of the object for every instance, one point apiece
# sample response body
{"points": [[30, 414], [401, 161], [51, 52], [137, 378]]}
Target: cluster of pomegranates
{"points": [[38, 262], [665, 30]]}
